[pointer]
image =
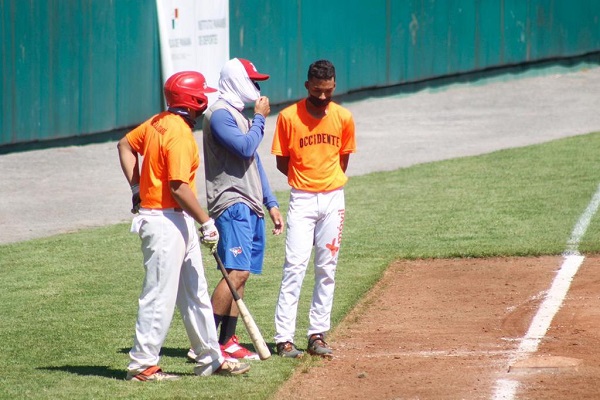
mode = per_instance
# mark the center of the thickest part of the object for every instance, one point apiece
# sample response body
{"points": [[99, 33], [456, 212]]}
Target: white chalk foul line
{"points": [[507, 388], [549, 307], [582, 224]]}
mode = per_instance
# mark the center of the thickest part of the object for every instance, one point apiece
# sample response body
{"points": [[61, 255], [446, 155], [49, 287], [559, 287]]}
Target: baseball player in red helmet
{"points": [[312, 145], [164, 196]]}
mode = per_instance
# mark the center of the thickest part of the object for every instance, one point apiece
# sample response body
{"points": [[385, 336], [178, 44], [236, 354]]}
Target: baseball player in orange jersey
{"points": [[164, 194], [312, 144]]}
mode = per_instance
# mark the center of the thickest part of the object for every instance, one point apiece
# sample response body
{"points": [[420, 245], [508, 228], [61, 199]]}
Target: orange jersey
{"points": [[314, 146], [170, 154]]}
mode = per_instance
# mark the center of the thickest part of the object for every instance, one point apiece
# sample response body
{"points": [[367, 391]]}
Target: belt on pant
{"points": [[161, 210]]}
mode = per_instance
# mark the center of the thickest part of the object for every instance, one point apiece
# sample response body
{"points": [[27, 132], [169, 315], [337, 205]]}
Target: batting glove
{"points": [[135, 199], [209, 235]]}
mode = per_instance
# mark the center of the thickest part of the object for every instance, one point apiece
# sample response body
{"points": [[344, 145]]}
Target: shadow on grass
{"points": [[106, 372], [89, 370], [165, 351], [181, 352]]}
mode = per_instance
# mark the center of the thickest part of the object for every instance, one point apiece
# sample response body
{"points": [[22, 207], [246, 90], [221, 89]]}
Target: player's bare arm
{"points": [[129, 162], [186, 198], [277, 220], [282, 164], [344, 159]]}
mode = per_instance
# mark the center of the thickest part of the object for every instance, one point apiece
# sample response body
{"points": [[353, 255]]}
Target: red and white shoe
{"points": [[233, 349], [150, 374]]}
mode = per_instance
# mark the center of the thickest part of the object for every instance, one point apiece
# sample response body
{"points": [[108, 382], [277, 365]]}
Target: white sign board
{"points": [[194, 36]]}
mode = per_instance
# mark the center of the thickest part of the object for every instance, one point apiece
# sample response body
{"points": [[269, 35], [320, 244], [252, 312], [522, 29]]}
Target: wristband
{"points": [[135, 189]]}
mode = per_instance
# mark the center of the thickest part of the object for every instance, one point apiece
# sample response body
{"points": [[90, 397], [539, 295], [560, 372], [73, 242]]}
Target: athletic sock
{"points": [[228, 327]]}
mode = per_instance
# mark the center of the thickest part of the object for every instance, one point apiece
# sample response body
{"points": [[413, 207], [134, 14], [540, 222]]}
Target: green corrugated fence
{"points": [[388, 42], [75, 68], [72, 68]]}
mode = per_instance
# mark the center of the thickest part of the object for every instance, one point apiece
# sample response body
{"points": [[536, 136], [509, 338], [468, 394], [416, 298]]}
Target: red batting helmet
{"points": [[186, 89]]}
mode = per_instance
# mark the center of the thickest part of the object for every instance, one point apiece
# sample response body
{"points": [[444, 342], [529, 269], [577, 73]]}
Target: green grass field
{"points": [[68, 303]]}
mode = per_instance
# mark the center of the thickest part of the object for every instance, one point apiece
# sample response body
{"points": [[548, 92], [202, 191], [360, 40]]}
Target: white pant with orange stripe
{"points": [[174, 276], [313, 219]]}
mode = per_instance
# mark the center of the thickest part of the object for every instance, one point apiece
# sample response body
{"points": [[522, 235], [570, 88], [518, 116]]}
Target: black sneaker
{"points": [[287, 349], [318, 347]]}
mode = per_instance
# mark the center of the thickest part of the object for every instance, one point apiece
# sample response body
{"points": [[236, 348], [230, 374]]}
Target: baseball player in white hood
{"points": [[237, 190], [237, 84]]}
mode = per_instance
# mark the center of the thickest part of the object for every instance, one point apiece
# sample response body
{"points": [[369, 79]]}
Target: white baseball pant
{"points": [[174, 276], [313, 219]]}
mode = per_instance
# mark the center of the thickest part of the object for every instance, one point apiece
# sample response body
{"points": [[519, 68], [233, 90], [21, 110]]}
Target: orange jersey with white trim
{"points": [[314, 146], [170, 153]]}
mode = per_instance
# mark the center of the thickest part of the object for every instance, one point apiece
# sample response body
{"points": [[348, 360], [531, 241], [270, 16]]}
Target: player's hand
{"points": [[277, 220], [262, 106], [135, 199], [209, 235]]}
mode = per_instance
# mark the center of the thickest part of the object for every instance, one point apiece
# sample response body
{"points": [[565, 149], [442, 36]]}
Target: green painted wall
{"points": [[73, 68], [392, 42], [77, 67]]}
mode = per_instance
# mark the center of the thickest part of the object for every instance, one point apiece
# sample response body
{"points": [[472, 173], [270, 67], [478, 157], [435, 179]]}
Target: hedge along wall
{"points": [[72, 68]]}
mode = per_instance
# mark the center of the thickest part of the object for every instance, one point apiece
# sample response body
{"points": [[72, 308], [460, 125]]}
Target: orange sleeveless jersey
{"points": [[314, 146], [170, 154]]}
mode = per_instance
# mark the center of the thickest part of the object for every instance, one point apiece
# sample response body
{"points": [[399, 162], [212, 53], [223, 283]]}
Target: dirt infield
{"points": [[446, 329]]}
